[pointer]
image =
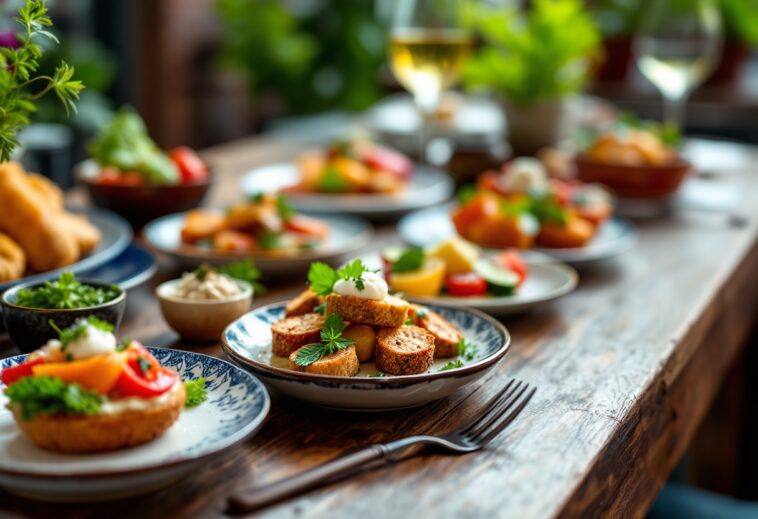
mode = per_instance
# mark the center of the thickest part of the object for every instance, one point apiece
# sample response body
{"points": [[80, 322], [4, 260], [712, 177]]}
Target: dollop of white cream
{"points": [[92, 343], [374, 287], [524, 175]]}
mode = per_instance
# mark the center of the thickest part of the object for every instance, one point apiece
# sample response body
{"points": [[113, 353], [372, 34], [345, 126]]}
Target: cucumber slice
{"points": [[500, 282]]}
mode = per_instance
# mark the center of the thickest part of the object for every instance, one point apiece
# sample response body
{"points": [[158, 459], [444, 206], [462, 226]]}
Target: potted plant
{"points": [[740, 21], [534, 61], [20, 84], [617, 21]]}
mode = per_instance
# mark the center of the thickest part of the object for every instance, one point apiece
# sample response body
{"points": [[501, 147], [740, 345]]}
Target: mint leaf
{"points": [[409, 261], [322, 278]]}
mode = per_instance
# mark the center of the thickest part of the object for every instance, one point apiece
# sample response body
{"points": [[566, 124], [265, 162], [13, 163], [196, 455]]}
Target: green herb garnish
{"points": [[331, 341], [283, 207], [547, 209], [144, 364], [332, 182], [124, 345], [244, 270], [322, 277], [466, 350], [378, 374], [269, 240], [409, 322], [51, 396], [65, 293], [196, 392], [319, 309], [466, 193], [410, 260], [257, 198], [79, 329], [452, 365], [20, 88], [202, 271]]}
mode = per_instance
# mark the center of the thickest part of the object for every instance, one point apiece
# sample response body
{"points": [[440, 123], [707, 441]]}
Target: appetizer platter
{"points": [[39, 237], [346, 343], [521, 206], [130, 175], [265, 228], [457, 273], [89, 418], [353, 176]]}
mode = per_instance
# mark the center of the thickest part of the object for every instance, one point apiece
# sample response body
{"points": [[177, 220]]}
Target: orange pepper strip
{"points": [[99, 373]]}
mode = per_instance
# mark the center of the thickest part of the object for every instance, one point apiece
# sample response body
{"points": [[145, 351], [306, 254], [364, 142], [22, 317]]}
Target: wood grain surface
{"points": [[626, 366]]}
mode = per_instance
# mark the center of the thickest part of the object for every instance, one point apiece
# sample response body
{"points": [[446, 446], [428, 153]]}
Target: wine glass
{"points": [[676, 49], [428, 48]]}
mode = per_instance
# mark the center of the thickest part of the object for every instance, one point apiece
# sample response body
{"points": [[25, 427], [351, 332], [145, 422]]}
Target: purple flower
{"points": [[9, 39]]}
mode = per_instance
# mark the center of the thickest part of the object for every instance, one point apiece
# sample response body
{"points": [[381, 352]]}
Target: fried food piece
{"points": [[446, 336], [34, 227], [291, 333], [364, 340], [388, 313], [576, 233], [104, 432], [405, 350], [303, 303], [12, 259], [342, 363], [87, 235], [51, 195], [201, 225]]}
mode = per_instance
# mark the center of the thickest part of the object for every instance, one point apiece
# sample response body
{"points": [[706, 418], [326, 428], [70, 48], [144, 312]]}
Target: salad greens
{"points": [[126, 145], [50, 396], [196, 392], [65, 293]]}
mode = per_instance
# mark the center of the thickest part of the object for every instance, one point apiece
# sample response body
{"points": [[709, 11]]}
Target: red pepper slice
{"points": [[10, 375]]}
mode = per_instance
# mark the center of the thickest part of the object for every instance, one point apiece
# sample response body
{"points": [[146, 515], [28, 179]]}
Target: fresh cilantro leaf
{"points": [[244, 270], [65, 293], [466, 350], [332, 182], [410, 260], [331, 342], [284, 208], [452, 365], [466, 194], [51, 396], [322, 278], [196, 392]]}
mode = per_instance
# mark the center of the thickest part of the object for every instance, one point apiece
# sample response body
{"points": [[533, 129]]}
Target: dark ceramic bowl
{"points": [[141, 204], [29, 328], [644, 182]]}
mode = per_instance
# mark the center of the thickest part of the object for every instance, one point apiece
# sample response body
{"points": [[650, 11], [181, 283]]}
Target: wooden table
{"points": [[626, 367]]}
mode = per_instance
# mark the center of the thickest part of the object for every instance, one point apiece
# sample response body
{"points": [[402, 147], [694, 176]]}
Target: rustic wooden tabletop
{"points": [[626, 367]]}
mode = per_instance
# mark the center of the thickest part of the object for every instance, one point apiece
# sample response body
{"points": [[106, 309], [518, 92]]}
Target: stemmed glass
{"points": [[676, 49], [428, 48]]}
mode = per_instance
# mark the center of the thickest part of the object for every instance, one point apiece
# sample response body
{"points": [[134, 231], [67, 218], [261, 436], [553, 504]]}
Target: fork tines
{"points": [[500, 411]]}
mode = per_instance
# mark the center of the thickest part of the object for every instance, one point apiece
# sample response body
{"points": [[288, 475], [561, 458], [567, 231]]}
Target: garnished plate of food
{"points": [[130, 175], [39, 237], [522, 207], [353, 176], [86, 417], [345, 342], [265, 228], [457, 273]]}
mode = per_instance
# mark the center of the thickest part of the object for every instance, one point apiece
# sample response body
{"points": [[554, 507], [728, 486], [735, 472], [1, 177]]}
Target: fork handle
{"points": [[308, 480]]}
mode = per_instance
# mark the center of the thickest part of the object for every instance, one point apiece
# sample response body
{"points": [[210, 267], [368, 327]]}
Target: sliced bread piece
{"points": [[446, 336], [291, 333], [342, 363], [303, 303], [405, 350], [390, 312]]}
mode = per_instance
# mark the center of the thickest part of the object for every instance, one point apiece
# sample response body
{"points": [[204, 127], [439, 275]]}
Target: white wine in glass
{"points": [[677, 49], [428, 49]]}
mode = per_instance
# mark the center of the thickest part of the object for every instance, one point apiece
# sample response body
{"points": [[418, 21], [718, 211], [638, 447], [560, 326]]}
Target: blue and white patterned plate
{"points": [[236, 407], [248, 342]]}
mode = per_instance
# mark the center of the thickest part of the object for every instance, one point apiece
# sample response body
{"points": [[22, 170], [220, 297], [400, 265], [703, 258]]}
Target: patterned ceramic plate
{"points": [[236, 407], [427, 187], [430, 226], [248, 342]]}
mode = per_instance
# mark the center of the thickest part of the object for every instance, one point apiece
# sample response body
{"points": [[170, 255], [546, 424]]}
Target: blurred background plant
{"points": [[308, 55]]}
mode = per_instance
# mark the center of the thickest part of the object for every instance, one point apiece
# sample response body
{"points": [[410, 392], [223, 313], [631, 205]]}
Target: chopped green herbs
{"points": [[466, 193], [410, 260], [332, 182], [331, 342], [51, 396], [79, 329], [123, 346], [378, 374], [467, 351], [196, 392], [409, 322], [65, 293], [257, 198], [284, 208], [452, 365], [144, 364], [548, 209], [269, 240], [244, 270]]}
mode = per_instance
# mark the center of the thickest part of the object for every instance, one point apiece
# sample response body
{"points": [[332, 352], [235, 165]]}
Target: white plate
{"points": [[547, 280], [248, 342], [430, 226], [427, 187], [346, 235], [236, 407]]}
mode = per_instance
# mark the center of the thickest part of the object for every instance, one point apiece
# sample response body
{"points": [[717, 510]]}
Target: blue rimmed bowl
{"points": [[247, 341], [236, 408]]}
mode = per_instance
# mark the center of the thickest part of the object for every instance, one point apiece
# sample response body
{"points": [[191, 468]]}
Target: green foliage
{"points": [[196, 392], [331, 342], [322, 277], [323, 57], [539, 55], [67, 293], [244, 270], [616, 17], [21, 86], [51, 396], [409, 261], [741, 20]]}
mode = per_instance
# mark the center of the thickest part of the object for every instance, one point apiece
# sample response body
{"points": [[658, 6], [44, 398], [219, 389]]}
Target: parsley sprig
{"points": [[79, 329], [466, 350], [19, 87], [453, 364], [322, 277], [51, 396], [65, 293], [331, 342], [196, 392]]}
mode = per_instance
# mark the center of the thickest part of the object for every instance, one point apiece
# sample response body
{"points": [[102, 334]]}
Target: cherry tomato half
{"points": [[307, 226], [510, 259], [191, 167], [468, 284], [143, 376], [14, 373]]}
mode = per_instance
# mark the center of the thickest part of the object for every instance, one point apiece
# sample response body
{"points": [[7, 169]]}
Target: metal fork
{"points": [[490, 421]]}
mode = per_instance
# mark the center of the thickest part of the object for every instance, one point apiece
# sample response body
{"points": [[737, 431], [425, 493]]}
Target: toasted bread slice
{"points": [[446, 336], [388, 313], [405, 350], [342, 363], [105, 432], [291, 333], [303, 303]]}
